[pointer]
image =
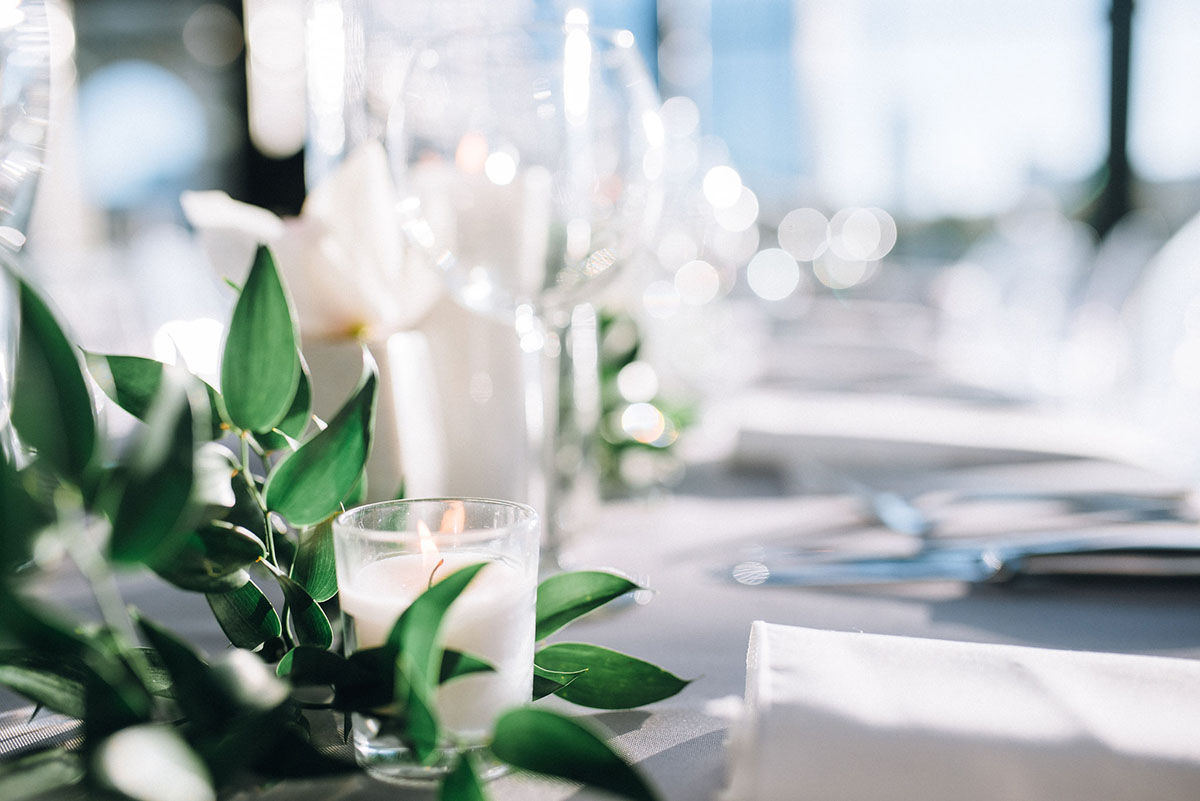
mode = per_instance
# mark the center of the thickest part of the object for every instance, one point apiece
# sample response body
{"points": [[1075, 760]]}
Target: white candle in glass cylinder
{"points": [[493, 619]]}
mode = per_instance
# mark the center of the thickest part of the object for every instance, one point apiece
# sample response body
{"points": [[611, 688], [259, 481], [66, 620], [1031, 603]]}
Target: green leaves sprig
{"points": [[195, 512], [265, 403], [220, 520]]}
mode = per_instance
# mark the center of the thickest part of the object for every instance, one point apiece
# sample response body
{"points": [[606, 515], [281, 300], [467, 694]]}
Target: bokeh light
{"points": [[643, 422], [680, 116], [862, 234], [742, 214], [887, 234], [722, 186], [697, 282], [212, 35], [637, 382], [142, 127], [653, 162], [501, 167], [773, 274], [837, 272], [471, 153], [804, 233], [652, 124], [853, 234]]}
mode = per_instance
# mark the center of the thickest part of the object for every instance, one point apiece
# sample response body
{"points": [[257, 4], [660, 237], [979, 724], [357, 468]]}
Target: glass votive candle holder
{"points": [[387, 555]]}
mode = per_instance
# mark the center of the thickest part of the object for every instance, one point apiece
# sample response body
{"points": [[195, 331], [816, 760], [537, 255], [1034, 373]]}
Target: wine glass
{"points": [[527, 162], [24, 119]]}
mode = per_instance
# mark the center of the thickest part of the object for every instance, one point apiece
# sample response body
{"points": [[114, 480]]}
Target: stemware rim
{"points": [[621, 38], [527, 515]]}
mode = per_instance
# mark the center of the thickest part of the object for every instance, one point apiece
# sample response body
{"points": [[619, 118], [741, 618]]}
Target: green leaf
{"points": [[309, 485], [135, 380], [292, 757], [549, 743], [245, 615], [566, 596], [358, 493], [196, 692], [462, 783], [368, 681], [613, 680], [420, 729], [314, 568], [38, 774], [245, 511], [243, 741], [543, 687], [212, 559], [308, 619], [548, 682], [140, 761], [260, 369], [309, 664], [51, 405], [415, 634], [37, 629], [154, 506], [456, 664], [23, 519], [414, 639], [295, 422], [47, 681], [113, 695]]}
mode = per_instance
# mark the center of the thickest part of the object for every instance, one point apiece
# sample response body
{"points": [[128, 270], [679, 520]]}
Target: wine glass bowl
{"points": [[527, 159]]}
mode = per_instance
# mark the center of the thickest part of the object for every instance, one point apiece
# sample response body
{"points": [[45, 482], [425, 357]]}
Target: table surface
{"points": [[696, 622]]}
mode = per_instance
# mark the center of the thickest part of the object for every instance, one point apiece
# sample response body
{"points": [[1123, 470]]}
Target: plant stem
{"points": [[272, 560], [268, 529], [285, 612], [86, 554]]}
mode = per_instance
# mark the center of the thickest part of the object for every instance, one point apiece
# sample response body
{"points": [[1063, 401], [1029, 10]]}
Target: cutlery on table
{"points": [[1175, 553]]}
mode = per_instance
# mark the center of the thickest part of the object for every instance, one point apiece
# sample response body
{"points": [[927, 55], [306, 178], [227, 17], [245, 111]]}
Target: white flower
{"points": [[343, 259]]}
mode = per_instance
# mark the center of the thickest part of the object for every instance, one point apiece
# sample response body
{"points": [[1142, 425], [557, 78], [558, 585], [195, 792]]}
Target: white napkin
{"points": [[833, 715]]}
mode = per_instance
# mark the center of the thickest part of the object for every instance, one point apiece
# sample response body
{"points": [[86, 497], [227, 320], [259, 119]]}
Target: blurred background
{"points": [[984, 189]]}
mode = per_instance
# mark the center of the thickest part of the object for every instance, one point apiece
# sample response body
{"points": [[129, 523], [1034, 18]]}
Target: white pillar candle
{"points": [[493, 619]]}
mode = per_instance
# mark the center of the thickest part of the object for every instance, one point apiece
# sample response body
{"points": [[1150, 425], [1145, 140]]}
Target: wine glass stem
{"points": [[562, 411]]}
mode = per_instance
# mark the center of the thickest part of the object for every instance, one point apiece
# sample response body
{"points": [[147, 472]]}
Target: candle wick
{"points": [[434, 571]]}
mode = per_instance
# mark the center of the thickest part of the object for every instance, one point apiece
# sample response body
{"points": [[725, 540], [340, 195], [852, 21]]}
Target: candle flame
{"points": [[429, 549], [454, 519]]}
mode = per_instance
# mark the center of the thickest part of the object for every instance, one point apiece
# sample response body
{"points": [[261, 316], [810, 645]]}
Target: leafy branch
{"points": [[220, 520]]}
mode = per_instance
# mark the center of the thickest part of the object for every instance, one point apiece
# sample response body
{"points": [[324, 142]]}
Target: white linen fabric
{"points": [[833, 715]]}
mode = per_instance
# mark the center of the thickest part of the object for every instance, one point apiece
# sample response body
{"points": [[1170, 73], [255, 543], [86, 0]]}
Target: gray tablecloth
{"points": [[697, 621]]}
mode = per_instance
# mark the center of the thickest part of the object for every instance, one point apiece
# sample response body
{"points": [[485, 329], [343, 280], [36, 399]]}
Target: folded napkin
{"points": [[833, 715]]}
